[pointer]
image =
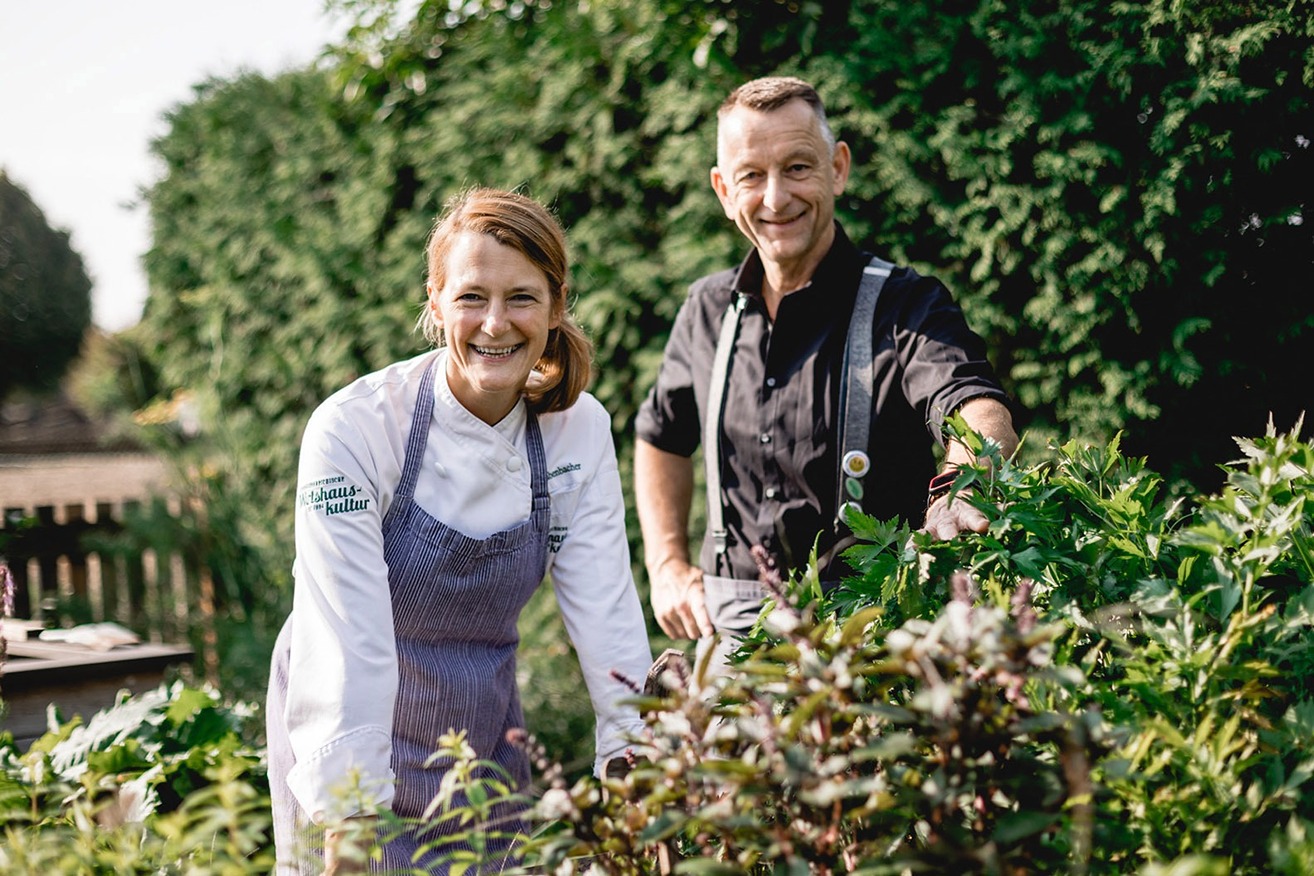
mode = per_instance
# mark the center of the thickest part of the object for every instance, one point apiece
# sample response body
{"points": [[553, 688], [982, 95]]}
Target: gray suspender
{"points": [[855, 401], [856, 383], [725, 344]]}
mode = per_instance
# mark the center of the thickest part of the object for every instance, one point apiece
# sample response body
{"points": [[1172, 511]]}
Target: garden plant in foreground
{"points": [[1109, 680]]}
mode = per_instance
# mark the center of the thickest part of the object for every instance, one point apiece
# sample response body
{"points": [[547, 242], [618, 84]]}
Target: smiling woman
{"points": [[469, 483], [495, 310], [497, 276]]}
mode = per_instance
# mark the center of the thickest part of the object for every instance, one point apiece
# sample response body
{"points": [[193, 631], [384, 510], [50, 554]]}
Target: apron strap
{"points": [[419, 433], [537, 461]]}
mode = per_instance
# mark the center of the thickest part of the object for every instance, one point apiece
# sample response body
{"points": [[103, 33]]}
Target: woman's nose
{"points": [[494, 319]]}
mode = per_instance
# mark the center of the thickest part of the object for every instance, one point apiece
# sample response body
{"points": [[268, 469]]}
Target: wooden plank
{"points": [[76, 680], [47, 661], [16, 629]]}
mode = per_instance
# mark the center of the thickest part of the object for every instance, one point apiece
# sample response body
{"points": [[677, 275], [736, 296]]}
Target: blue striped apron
{"points": [[455, 603]]}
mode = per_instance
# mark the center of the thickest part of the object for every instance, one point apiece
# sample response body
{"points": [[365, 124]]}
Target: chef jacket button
{"points": [[513, 464], [441, 469], [770, 492], [766, 438], [771, 381]]}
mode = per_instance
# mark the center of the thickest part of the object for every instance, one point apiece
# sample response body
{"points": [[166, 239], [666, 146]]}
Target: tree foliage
{"points": [[1113, 190], [45, 295]]}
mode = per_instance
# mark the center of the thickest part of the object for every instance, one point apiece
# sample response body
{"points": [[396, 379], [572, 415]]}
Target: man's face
{"points": [[778, 180]]}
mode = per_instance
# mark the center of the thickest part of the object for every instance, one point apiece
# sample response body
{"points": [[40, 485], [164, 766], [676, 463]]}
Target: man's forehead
{"points": [[792, 129], [738, 151]]}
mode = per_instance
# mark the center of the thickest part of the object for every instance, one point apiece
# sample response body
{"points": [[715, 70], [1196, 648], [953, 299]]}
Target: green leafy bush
{"points": [[1108, 680], [160, 783]]}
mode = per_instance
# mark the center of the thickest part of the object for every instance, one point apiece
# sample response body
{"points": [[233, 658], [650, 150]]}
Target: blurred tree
{"points": [[45, 295]]}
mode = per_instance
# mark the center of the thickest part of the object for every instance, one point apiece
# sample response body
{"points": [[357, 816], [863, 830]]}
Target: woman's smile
{"points": [[497, 352]]}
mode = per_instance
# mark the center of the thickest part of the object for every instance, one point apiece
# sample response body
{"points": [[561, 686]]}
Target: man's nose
{"points": [[776, 196]]}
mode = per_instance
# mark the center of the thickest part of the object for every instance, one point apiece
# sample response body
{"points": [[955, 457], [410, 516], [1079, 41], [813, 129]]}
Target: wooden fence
{"points": [[68, 569]]}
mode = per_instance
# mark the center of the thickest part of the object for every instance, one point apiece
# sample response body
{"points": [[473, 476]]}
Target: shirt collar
{"points": [[836, 268], [448, 410]]}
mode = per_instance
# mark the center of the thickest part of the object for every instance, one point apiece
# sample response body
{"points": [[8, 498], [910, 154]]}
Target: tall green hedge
{"points": [[1113, 190]]}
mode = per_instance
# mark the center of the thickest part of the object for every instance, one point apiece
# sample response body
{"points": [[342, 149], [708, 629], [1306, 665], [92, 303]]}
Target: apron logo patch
{"points": [[331, 496]]}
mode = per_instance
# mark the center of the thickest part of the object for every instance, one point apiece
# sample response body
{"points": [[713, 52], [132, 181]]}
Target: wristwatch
{"points": [[940, 485]]}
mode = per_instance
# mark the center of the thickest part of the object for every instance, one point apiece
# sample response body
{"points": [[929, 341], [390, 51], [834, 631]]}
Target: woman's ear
{"points": [[559, 307], [435, 311]]}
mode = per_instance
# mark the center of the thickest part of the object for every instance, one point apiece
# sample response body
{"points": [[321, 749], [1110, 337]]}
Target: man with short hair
{"points": [[755, 370]]}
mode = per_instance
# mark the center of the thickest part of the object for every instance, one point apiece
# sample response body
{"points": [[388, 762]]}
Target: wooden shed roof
{"points": [[53, 424]]}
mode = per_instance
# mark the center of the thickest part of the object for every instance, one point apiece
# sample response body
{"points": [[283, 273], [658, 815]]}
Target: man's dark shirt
{"points": [[779, 465]]}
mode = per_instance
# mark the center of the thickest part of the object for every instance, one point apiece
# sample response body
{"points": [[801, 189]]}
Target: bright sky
{"points": [[83, 88]]}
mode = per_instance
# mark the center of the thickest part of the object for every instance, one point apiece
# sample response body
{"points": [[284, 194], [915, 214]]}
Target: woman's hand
{"points": [[346, 848]]}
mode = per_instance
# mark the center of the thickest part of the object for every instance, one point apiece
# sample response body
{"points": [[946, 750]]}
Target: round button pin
{"points": [[856, 464]]}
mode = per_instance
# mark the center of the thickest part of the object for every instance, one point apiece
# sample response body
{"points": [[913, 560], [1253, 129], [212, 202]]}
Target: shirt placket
{"points": [[770, 440]]}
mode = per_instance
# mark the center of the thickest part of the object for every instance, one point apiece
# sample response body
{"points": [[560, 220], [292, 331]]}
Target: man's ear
{"points": [[722, 190], [840, 162]]}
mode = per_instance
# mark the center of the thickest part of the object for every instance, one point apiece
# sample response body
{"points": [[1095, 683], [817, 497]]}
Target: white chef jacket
{"points": [[476, 478]]}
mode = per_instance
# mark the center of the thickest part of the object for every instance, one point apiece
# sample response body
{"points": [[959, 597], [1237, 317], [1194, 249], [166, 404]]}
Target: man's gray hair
{"points": [[771, 93]]}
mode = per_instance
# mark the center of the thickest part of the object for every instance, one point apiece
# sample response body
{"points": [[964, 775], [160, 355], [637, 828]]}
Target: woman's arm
{"points": [[343, 670], [595, 589]]}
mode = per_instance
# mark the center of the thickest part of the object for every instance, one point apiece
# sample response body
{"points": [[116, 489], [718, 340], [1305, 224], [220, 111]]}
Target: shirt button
{"points": [[513, 464], [765, 438], [771, 381], [771, 492]]}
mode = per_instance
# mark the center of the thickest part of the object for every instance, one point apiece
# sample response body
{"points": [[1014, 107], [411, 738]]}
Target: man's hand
{"points": [[663, 487], [948, 516], [677, 598]]}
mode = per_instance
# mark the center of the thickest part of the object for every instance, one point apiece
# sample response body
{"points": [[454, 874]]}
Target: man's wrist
{"points": [[653, 570]]}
